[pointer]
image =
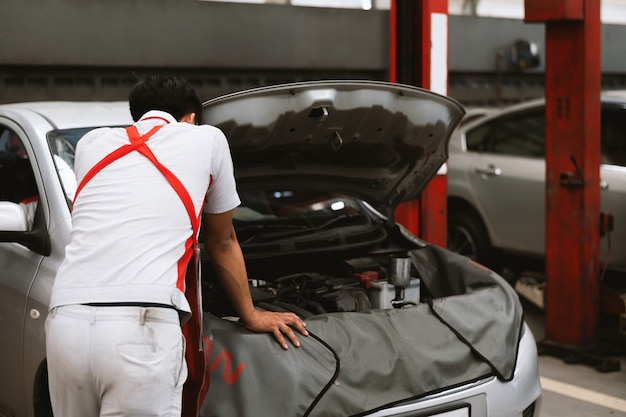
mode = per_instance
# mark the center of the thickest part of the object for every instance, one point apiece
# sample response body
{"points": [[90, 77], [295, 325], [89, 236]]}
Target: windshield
{"points": [[62, 143], [272, 215]]}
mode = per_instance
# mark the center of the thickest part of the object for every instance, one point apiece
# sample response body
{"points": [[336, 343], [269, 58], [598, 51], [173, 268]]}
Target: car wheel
{"points": [[467, 236]]}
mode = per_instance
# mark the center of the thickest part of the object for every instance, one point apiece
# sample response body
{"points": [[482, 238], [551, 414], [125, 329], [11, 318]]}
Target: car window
{"points": [[477, 139], [520, 134], [63, 143], [17, 181], [63, 146], [614, 136]]}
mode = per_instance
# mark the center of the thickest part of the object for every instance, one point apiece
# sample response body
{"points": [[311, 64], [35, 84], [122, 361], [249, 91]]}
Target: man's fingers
{"points": [[291, 336], [279, 337], [301, 327], [284, 329], [298, 323], [280, 325]]}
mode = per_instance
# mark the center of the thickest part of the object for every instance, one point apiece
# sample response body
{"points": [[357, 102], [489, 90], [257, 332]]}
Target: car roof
{"points": [[614, 95], [608, 96], [73, 114]]}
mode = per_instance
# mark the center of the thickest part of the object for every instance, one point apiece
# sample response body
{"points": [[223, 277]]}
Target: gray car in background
{"points": [[496, 184]]}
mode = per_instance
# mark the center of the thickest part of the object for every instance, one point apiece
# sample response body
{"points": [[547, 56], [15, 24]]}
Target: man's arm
{"points": [[220, 242]]}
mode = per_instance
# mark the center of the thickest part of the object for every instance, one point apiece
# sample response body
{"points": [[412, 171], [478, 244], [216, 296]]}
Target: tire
{"points": [[467, 236], [41, 393]]}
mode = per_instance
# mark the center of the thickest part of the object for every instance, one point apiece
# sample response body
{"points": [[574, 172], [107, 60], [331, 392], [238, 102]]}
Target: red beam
{"points": [[393, 42], [573, 77], [417, 61]]}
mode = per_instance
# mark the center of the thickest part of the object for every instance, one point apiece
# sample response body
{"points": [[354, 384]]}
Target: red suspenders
{"points": [[138, 143], [188, 270]]}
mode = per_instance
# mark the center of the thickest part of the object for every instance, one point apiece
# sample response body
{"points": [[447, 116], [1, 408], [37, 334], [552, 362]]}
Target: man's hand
{"points": [[220, 242], [279, 324]]}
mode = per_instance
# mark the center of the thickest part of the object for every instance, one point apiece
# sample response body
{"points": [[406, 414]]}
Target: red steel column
{"points": [[419, 56], [573, 79]]}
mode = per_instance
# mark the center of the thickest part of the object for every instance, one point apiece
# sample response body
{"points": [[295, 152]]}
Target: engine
{"points": [[355, 285]]}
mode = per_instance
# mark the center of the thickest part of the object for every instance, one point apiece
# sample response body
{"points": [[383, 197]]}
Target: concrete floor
{"points": [[578, 390]]}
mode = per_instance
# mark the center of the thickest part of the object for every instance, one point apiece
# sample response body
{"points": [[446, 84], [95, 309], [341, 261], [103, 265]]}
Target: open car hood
{"points": [[378, 141]]}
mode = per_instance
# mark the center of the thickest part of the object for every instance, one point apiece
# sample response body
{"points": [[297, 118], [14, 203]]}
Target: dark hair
{"points": [[168, 93]]}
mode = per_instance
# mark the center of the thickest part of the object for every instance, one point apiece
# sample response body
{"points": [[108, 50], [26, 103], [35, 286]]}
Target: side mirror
{"points": [[14, 227], [13, 217]]}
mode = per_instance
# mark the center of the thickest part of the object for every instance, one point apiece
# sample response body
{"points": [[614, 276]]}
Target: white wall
{"points": [[612, 11]]}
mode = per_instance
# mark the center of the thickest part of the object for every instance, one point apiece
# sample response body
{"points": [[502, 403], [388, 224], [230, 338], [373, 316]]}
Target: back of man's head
{"points": [[168, 93]]}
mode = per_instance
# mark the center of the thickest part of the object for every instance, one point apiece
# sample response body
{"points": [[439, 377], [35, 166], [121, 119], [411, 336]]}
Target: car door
{"points": [[19, 265], [506, 173], [613, 185]]}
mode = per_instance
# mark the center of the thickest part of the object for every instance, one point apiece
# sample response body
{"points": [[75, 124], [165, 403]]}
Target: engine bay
{"points": [[318, 284]]}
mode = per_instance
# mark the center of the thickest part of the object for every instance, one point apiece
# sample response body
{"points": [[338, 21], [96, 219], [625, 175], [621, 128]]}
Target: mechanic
{"points": [[113, 336]]}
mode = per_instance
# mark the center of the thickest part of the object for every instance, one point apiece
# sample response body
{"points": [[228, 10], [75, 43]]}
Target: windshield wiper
{"points": [[262, 229], [304, 230]]}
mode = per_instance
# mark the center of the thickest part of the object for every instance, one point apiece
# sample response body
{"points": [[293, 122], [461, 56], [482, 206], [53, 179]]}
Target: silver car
{"points": [[496, 184], [398, 327]]}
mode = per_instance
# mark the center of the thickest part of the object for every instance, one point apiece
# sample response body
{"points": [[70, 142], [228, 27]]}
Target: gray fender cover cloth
{"points": [[354, 364]]}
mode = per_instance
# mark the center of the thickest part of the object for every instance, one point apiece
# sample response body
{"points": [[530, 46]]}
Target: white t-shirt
{"points": [[129, 226]]}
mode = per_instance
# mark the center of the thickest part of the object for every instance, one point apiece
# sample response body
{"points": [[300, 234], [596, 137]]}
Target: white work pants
{"points": [[115, 361]]}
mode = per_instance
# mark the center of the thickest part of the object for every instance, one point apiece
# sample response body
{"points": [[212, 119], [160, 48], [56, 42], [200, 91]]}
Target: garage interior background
{"points": [[100, 48]]}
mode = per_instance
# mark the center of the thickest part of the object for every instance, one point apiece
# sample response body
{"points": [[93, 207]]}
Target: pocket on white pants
{"points": [[181, 375]]}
